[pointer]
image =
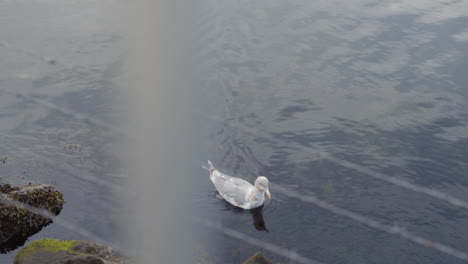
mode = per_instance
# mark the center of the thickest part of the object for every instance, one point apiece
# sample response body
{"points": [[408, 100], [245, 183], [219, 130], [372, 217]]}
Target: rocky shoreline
{"points": [[50, 250], [24, 211]]}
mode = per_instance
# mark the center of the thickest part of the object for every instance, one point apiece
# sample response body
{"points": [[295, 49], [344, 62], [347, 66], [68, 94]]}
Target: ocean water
{"points": [[356, 111], [60, 62]]}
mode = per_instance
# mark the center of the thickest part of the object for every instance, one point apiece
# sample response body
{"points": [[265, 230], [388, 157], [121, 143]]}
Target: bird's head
{"points": [[261, 183]]}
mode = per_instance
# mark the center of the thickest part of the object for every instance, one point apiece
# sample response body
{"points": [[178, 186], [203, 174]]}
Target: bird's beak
{"points": [[268, 193]]}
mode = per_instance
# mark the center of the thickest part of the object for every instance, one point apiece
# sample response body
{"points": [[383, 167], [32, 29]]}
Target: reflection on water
{"points": [[359, 104], [257, 215], [359, 107], [58, 76], [258, 221]]}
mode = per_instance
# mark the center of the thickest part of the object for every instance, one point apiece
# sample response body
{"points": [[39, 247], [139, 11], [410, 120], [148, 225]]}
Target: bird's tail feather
{"points": [[210, 167]]}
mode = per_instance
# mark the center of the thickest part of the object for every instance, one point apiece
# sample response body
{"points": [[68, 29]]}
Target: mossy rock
{"points": [[258, 258], [17, 221], [54, 251]]}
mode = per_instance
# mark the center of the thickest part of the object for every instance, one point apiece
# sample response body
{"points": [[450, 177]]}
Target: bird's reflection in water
{"points": [[257, 215], [258, 220]]}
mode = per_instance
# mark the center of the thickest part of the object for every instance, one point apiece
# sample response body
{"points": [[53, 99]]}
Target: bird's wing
{"points": [[232, 189], [218, 178], [235, 191]]}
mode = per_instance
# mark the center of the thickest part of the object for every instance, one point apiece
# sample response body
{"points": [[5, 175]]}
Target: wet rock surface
{"points": [[25, 211], [258, 258], [47, 251]]}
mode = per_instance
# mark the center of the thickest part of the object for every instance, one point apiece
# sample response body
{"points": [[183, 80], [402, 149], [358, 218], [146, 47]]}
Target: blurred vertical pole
{"points": [[158, 140]]}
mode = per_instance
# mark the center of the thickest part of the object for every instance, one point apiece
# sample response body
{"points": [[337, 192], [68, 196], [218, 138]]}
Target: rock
{"points": [[54, 251], [258, 258], [25, 211]]}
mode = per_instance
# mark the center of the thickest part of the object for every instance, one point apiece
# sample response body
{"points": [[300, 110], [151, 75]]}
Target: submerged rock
{"points": [[258, 258], [47, 251], [25, 211]]}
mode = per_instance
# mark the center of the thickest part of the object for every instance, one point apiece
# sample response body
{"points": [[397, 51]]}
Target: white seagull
{"points": [[237, 191]]}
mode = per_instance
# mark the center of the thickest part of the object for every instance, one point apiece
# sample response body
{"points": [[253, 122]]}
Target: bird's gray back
{"points": [[232, 189]]}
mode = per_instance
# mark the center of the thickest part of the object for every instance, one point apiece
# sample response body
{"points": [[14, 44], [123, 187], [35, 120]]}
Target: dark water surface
{"points": [[58, 64], [361, 104], [355, 110]]}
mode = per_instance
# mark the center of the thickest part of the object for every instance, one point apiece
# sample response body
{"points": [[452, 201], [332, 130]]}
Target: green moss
{"points": [[49, 244], [258, 258], [50, 250]]}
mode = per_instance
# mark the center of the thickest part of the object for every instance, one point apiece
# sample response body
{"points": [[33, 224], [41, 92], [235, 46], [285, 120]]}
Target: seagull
{"points": [[237, 191]]}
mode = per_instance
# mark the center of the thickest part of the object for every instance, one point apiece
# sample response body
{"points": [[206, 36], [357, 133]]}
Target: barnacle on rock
{"points": [[6, 188], [40, 196], [18, 223]]}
